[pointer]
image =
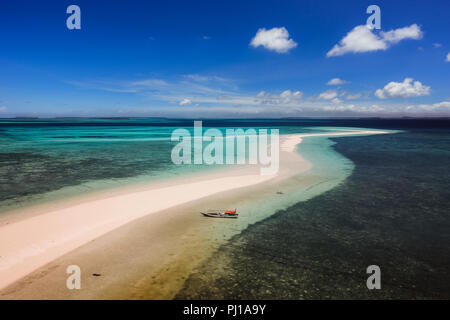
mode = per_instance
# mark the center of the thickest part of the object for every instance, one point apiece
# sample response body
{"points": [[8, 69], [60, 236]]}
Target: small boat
{"points": [[220, 213]]}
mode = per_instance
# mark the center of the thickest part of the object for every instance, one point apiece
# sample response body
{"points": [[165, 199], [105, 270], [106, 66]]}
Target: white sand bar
{"points": [[28, 244]]}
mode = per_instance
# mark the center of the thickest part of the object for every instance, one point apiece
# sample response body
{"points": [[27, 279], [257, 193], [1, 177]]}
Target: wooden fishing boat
{"points": [[220, 213]]}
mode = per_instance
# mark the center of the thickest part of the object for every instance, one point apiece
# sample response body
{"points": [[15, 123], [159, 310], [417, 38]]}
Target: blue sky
{"points": [[224, 59]]}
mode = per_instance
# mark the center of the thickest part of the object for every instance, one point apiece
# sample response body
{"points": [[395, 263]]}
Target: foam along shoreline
{"points": [[31, 243]]}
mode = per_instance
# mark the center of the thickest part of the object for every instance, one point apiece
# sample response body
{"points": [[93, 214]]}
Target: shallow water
{"points": [[392, 211], [253, 206], [44, 160], [356, 211]]}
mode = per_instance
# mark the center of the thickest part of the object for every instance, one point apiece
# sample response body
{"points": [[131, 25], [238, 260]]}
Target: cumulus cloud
{"points": [[185, 102], [369, 109], [395, 36], [261, 94], [275, 39], [328, 95], [336, 81], [448, 57], [406, 89], [360, 39], [363, 39], [288, 94], [284, 98], [440, 106], [200, 96]]}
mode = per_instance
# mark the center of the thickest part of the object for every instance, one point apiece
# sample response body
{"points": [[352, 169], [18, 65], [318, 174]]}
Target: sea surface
{"points": [[391, 211], [383, 201], [49, 159]]}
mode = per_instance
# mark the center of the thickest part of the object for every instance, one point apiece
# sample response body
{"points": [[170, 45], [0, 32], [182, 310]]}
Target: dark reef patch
{"points": [[392, 212]]}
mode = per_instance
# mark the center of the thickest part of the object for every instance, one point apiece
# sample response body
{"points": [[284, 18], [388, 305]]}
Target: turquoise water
{"points": [[37, 160], [381, 200], [42, 160]]}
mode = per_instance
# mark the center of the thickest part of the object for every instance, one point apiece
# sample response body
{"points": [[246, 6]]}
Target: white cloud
{"points": [[336, 100], [202, 78], [261, 94], [443, 104], [173, 89], [336, 81], [353, 96], [2, 109], [360, 39], [448, 57], [185, 102], [197, 96], [367, 109], [440, 106], [206, 38], [288, 94], [406, 89], [237, 106], [328, 95], [363, 39], [286, 97], [275, 39], [395, 36], [437, 45]]}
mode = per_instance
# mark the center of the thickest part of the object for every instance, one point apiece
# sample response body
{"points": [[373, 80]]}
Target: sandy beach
{"points": [[133, 236]]}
